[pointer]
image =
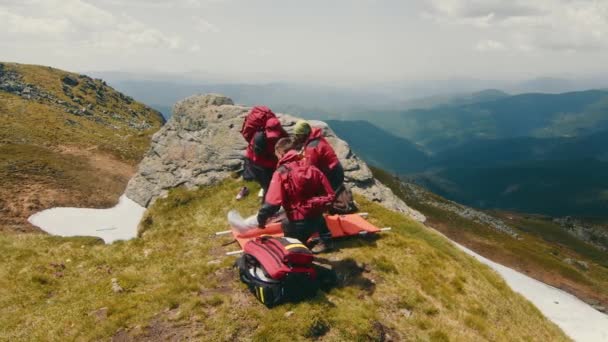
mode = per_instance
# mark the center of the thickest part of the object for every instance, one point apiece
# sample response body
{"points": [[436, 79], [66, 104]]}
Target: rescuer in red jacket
{"points": [[261, 129], [318, 152], [304, 192]]}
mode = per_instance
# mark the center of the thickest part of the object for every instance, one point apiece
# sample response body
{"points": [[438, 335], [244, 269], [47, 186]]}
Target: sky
{"points": [[312, 40]]}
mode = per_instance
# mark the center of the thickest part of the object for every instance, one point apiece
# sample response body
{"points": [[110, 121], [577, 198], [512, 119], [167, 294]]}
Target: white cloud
{"points": [[77, 21], [554, 25], [204, 26], [161, 3], [489, 45], [498, 9], [21, 24]]}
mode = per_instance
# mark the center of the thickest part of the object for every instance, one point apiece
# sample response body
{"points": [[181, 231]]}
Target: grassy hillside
{"points": [[543, 249], [409, 284], [65, 139]]}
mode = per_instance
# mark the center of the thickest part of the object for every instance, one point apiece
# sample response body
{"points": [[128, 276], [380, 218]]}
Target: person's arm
{"points": [[327, 187], [326, 193], [330, 157], [273, 200]]}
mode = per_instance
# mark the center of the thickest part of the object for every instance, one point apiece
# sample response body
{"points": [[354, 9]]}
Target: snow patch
{"points": [[576, 318], [117, 223]]}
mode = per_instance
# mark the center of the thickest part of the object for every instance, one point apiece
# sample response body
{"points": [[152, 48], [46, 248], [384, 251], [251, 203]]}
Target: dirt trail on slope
{"points": [[66, 176]]}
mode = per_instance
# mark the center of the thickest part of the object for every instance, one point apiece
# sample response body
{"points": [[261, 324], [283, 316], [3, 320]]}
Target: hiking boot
{"points": [[244, 192], [322, 247]]}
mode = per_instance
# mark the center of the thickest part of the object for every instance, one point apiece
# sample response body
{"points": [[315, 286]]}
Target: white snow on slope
{"points": [[117, 223], [576, 318]]}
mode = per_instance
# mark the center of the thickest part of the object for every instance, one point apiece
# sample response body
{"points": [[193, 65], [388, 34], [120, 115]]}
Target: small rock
{"points": [[289, 314], [600, 308], [69, 80], [578, 263], [99, 314], [116, 287], [581, 264], [174, 314], [406, 313]]}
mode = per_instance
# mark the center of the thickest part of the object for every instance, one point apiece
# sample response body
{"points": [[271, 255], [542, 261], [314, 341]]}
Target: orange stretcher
{"points": [[339, 226]]}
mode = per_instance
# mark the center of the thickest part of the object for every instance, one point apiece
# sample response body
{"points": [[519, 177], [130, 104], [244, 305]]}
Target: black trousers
{"points": [[304, 229], [335, 177], [260, 174]]}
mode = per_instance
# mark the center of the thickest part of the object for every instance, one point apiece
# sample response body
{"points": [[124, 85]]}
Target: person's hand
{"points": [[261, 222]]}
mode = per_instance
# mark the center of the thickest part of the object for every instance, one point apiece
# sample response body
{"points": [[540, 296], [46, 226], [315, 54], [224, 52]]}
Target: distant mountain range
{"points": [[379, 147], [327, 101], [540, 153], [492, 134]]}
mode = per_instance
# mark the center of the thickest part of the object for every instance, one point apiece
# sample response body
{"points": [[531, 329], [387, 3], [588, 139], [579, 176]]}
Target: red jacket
{"points": [[318, 152], [302, 189], [264, 139]]}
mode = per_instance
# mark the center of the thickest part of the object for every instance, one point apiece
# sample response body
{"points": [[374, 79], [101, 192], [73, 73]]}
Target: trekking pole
{"points": [[234, 252], [225, 232], [386, 229]]}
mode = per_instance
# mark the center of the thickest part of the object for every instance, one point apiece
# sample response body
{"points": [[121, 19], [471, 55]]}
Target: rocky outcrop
{"points": [[201, 145], [108, 106], [419, 194], [592, 234]]}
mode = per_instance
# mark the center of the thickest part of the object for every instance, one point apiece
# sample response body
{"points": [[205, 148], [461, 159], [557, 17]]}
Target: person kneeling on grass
{"points": [[304, 192]]}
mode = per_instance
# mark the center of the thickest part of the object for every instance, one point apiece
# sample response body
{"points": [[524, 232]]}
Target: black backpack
{"points": [[271, 292], [344, 202]]}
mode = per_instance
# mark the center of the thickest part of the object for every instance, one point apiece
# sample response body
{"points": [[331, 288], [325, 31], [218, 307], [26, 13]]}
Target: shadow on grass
{"points": [[356, 241], [343, 273]]}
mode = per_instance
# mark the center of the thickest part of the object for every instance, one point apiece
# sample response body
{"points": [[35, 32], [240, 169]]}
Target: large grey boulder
{"points": [[201, 145]]}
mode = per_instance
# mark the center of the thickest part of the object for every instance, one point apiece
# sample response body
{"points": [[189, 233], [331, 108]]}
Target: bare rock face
{"points": [[201, 145]]}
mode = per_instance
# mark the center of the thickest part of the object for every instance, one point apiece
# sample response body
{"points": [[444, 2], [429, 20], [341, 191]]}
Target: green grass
{"points": [[552, 232], [46, 124], [177, 282], [539, 252]]}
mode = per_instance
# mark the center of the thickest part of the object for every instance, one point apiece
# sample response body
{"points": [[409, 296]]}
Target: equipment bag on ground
{"points": [[278, 270], [344, 202]]}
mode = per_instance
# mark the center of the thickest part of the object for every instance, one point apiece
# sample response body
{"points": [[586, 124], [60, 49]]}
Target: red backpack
{"points": [[303, 190], [278, 270], [256, 121]]}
